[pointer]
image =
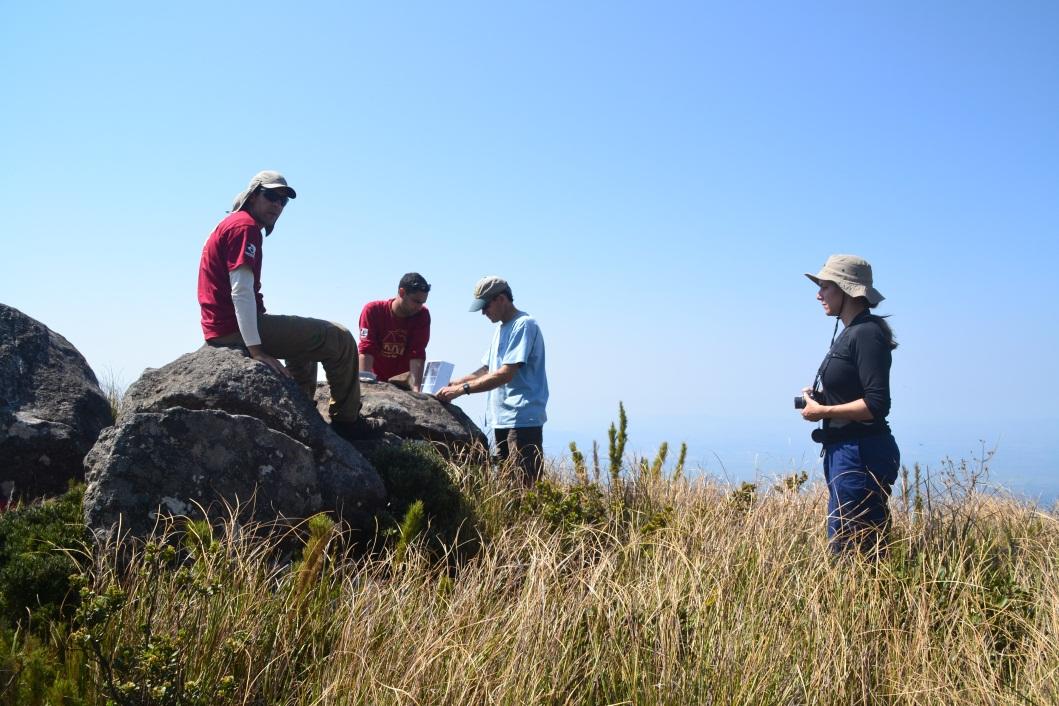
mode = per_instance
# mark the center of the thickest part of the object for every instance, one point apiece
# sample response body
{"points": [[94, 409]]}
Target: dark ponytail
{"points": [[881, 321], [887, 331]]}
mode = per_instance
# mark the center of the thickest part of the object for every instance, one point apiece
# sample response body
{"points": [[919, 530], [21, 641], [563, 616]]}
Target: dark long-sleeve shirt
{"points": [[858, 366]]}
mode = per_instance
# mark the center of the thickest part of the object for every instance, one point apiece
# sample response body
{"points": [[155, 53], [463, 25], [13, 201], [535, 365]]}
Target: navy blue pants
{"points": [[860, 475]]}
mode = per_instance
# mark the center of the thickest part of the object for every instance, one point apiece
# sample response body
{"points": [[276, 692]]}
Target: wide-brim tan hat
{"points": [[853, 276]]}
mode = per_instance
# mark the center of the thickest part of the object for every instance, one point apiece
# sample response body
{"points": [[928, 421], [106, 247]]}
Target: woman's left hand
{"points": [[813, 410]]}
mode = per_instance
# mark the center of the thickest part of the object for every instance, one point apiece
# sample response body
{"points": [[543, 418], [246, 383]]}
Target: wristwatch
{"points": [[466, 388]]}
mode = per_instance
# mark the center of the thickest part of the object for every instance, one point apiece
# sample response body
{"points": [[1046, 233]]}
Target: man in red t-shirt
{"points": [[394, 332], [233, 310]]}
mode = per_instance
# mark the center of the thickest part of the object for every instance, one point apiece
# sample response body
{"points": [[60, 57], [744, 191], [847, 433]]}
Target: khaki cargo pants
{"points": [[302, 343]]}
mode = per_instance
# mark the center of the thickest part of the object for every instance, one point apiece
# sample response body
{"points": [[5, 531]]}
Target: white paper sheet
{"points": [[436, 375]]}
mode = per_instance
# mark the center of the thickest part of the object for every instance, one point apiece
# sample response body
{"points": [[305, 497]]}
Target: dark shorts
{"points": [[523, 449]]}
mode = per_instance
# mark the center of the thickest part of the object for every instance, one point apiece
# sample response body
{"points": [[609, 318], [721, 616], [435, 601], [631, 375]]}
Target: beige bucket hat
{"points": [[852, 274]]}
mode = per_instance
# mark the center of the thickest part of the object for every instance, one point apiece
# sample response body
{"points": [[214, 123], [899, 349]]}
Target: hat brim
{"points": [[290, 192], [478, 304], [873, 295], [244, 195]]}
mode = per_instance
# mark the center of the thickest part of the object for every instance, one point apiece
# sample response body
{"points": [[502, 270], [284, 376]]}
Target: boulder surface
{"points": [[216, 429], [51, 409], [400, 414]]}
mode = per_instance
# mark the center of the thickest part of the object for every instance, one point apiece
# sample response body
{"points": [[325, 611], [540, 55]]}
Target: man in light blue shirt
{"points": [[513, 374]]}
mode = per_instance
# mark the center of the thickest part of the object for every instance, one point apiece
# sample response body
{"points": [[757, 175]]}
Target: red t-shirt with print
{"points": [[391, 340], [235, 242]]}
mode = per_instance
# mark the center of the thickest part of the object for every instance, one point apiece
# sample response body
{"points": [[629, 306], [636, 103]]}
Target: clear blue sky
{"points": [[652, 178]]}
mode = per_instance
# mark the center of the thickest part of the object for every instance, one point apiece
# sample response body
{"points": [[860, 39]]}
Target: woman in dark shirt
{"points": [[851, 396]]}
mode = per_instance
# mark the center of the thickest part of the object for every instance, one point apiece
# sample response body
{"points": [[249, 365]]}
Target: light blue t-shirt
{"points": [[521, 402]]}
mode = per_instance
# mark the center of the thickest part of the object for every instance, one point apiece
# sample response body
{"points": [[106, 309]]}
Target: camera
{"points": [[799, 400]]}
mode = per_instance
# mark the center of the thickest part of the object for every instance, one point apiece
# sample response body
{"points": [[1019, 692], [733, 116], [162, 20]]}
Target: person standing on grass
{"points": [[513, 374], [233, 309], [394, 332], [851, 396]]}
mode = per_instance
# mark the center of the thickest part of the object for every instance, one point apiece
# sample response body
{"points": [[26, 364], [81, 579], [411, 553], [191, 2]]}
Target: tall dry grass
{"points": [[647, 591]]}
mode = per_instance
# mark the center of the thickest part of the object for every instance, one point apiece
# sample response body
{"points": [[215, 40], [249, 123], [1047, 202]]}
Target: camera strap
{"points": [[819, 375], [827, 358]]}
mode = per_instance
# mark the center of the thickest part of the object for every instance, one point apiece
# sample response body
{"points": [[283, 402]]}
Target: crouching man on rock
{"points": [[233, 310], [394, 333]]}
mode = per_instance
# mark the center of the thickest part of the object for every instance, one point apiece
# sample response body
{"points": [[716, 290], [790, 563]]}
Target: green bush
{"points": [[566, 507], [35, 567], [415, 472]]}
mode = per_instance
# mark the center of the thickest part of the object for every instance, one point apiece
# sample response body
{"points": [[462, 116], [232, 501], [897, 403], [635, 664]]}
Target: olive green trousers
{"points": [[302, 343]]}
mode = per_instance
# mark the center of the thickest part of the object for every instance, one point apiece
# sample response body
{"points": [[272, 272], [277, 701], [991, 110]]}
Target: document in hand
{"points": [[436, 375]]}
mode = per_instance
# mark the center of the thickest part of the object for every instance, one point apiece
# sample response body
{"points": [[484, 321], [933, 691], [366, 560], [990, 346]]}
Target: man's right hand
{"points": [[449, 393], [258, 353]]}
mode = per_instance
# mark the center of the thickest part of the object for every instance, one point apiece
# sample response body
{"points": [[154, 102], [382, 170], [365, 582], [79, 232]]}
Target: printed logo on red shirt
{"points": [[251, 250], [393, 343], [363, 333]]}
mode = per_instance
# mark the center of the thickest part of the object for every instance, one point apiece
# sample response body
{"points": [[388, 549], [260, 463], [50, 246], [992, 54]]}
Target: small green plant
{"points": [[792, 483], [657, 519], [741, 499], [660, 461], [678, 469], [314, 555], [198, 539], [580, 471], [413, 524], [595, 461], [618, 436]]}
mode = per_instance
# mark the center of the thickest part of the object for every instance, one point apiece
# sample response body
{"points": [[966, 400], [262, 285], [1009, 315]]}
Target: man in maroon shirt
{"points": [[394, 332], [233, 310]]}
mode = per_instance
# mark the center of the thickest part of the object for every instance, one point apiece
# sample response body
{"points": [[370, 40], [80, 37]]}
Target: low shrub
{"points": [[414, 472], [36, 543], [565, 507]]}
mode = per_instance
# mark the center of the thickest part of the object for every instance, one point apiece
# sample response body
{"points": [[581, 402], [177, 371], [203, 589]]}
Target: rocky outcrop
{"points": [[399, 414], [51, 408], [178, 460], [215, 429]]}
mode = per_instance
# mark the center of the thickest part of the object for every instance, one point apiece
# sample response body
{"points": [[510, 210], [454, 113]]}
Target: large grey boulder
{"points": [[51, 408], [400, 414], [213, 429], [184, 462]]}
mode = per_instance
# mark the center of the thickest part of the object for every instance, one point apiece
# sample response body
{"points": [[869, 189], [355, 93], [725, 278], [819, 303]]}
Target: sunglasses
{"points": [[274, 196]]}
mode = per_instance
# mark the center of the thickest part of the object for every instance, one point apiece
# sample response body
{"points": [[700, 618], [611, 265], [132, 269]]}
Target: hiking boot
{"points": [[363, 429]]}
